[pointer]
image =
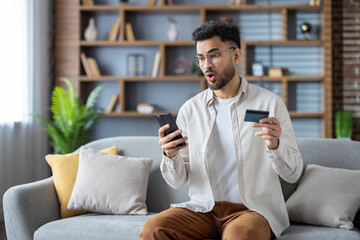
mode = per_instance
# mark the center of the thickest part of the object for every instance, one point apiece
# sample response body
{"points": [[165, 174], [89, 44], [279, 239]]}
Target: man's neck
{"points": [[230, 90]]}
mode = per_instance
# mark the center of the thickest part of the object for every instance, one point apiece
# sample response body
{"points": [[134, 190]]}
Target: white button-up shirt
{"points": [[258, 167]]}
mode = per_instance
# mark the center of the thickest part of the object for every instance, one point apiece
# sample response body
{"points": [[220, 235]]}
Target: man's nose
{"points": [[207, 64]]}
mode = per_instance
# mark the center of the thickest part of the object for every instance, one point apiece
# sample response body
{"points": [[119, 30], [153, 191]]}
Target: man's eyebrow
{"points": [[211, 50]]}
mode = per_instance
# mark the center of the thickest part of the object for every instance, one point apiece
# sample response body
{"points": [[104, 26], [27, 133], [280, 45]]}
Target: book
{"points": [[170, 2], [129, 32], [114, 30], [86, 65], [94, 67], [111, 33], [112, 103], [156, 64], [238, 2], [151, 2]]}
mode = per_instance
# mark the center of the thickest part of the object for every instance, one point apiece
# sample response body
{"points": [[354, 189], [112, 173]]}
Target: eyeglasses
{"points": [[213, 57]]}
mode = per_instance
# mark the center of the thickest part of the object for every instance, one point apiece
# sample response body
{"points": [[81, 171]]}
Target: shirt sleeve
{"points": [[286, 160], [173, 171]]}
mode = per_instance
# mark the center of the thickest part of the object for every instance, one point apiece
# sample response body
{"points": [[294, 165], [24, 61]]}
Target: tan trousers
{"points": [[228, 221]]}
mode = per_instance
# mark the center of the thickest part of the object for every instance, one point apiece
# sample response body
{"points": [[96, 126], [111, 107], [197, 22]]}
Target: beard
{"points": [[223, 78]]}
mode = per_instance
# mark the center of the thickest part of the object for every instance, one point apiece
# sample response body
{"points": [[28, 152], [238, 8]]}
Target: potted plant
{"points": [[71, 118], [343, 124]]}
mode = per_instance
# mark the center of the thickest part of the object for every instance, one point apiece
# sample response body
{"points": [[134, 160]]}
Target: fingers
{"points": [[169, 146], [270, 131]]}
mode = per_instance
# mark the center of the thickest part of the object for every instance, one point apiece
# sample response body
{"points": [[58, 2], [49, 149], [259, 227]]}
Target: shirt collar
{"points": [[210, 97]]}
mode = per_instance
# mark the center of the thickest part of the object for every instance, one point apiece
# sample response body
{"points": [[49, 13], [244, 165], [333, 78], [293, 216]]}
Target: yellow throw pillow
{"points": [[64, 169]]}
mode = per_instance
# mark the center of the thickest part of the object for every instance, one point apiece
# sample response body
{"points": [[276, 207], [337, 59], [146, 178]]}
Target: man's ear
{"points": [[237, 55]]}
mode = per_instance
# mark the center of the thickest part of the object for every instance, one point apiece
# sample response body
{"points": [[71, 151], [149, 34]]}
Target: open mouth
{"points": [[210, 77]]}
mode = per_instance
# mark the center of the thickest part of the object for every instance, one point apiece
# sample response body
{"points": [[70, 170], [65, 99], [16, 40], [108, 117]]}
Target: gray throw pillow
{"points": [[326, 196], [110, 184]]}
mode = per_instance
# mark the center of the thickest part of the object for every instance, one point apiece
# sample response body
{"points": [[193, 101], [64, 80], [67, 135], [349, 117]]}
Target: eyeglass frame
{"points": [[207, 56]]}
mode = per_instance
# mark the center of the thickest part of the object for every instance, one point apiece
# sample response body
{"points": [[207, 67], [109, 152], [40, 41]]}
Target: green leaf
{"points": [[71, 120]]}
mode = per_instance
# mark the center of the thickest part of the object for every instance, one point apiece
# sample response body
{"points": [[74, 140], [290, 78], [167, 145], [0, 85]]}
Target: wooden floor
{"points": [[2, 231]]}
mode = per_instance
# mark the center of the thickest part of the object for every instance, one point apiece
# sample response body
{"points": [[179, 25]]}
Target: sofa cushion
{"points": [[64, 169], [326, 196], [110, 184], [94, 226], [311, 232]]}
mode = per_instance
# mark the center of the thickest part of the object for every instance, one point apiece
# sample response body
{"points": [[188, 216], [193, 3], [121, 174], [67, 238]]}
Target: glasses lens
{"points": [[196, 61], [213, 57]]}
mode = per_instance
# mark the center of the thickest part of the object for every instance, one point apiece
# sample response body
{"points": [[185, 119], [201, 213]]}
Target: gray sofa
{"points": [[31, 210]]}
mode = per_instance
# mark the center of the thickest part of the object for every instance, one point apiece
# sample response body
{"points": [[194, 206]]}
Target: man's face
{"points": [[220, 70]]}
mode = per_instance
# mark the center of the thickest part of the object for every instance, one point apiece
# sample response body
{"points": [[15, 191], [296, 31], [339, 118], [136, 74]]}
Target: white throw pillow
{"points": [[326, 196], [110, 184]]}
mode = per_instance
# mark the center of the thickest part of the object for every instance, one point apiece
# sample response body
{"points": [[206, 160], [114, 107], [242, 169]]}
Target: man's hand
{"points": [[270, 131], [170, 148]]}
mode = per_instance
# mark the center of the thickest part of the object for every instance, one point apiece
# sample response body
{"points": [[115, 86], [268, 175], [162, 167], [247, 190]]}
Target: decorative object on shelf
{"points": [[91, 33], [123, 1], [173, 31], [225, 19], [182, 66], [71, 118], [195, 70], [343, 124], [314, 2], [145, 108], [277, 72], [257, 69], [306, 29], [170, 2], [136, 65]]}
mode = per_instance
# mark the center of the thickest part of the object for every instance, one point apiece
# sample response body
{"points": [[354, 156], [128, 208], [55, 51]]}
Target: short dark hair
{"points": [[225, 30]]}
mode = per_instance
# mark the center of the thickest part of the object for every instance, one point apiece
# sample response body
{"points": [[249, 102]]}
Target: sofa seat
{"points": [[311, 232], [99, 226], [93, 226]]}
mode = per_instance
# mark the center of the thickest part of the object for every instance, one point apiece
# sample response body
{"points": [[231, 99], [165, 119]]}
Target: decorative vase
{"points": [[91, 33], [173, 32]]}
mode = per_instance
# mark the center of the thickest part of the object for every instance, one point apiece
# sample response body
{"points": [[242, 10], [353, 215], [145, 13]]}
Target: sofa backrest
{"points": [[335, 153], [325, 152]]}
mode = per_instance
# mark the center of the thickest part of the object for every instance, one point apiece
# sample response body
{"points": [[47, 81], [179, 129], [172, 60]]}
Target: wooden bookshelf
{"points": [[70, 43]]}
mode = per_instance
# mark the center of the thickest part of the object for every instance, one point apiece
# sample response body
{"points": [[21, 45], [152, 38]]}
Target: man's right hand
{"points": [[170, 148]]}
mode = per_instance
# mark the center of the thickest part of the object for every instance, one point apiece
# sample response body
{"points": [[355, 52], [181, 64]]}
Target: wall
{"points": [[346, 59]]}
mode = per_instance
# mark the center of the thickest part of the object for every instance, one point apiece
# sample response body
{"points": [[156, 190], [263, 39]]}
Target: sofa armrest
{"points": [[29, 206]]}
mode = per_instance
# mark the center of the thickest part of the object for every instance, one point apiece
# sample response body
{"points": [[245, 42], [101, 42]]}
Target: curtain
{"points": [[23, 143]]}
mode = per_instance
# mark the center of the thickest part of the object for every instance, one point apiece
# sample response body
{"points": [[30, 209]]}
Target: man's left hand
{"points": [[270, 131]]}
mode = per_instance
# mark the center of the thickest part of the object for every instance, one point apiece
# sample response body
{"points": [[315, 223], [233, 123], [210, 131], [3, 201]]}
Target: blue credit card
{"points": [[255, 115]]}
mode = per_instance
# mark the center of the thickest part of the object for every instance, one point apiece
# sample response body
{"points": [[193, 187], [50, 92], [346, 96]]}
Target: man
{"points": [[232, 165]]}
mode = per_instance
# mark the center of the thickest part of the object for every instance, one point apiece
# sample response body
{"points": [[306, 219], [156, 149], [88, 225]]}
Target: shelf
{"points": [[285, 42], [141, 78], [306, 114], [134, 114], [134, 43], [193, 7], [287, 78], [137, 114]]}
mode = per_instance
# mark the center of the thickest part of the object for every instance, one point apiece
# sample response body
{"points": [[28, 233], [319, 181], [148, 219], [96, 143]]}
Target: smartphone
{"points": [[167, 118]]}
